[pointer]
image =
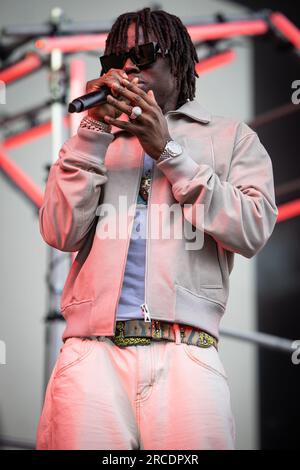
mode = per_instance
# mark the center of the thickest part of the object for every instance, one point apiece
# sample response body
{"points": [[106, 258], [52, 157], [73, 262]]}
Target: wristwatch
{"points": [[172, 149]]}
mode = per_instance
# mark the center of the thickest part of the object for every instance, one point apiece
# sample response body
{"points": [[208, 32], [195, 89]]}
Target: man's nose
{"points": [[130, 67]]}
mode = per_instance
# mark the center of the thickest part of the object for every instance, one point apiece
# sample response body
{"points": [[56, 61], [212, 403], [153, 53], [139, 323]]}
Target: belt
{"points": [[139, 332]]}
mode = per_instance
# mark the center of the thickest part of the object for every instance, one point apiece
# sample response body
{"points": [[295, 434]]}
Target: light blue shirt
{"points": [[133, 288]]}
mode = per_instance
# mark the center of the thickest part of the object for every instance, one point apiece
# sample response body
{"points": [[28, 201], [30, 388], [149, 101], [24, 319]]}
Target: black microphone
{"points": [[89, 100]]}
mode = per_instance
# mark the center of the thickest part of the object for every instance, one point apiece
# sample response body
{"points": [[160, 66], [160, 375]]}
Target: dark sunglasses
{"points": [[145, 56]]}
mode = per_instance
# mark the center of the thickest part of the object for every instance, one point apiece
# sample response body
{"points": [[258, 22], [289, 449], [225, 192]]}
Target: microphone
{"points": [[89, 100]]}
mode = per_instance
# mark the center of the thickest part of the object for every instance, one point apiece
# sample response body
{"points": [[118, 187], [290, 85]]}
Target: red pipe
{"points": [[25, 66], [287, 28], [223, 30], [288, 210], [77, 88], [30, 134], [203, 32], [217, 60], [22, 180], [72, 44]]}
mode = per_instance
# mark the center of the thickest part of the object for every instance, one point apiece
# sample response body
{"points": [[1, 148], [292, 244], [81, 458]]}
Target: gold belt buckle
{"points": [[120, 340]]}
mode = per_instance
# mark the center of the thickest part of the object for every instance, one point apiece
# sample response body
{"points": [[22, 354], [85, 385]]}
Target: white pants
{"points": [[165, 395]]}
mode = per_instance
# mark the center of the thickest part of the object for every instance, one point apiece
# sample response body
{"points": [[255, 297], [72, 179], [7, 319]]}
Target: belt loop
{"points": [[176, 329]]}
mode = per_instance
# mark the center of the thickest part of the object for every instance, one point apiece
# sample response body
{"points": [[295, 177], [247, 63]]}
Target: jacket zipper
{"points": [[144, 306], [128, 241]]}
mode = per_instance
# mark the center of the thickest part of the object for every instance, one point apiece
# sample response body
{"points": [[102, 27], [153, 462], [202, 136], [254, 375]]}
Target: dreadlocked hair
{"points": [[171, 34]]}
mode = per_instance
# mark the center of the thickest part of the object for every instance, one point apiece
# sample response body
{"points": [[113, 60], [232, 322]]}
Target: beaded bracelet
{"points": [[94, 125]]}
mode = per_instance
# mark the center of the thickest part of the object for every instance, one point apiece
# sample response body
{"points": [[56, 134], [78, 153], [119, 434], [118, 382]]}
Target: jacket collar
{"points": [[193, 110]]}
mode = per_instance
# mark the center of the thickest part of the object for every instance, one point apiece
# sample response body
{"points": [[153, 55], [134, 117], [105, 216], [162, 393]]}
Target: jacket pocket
{"points": [[209, 265], [80, 307], [200, 299], [206, 358], [199, 310], [73, 351]]}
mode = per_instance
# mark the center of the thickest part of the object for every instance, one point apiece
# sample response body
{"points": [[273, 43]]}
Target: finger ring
{"points": [[136, 112]]}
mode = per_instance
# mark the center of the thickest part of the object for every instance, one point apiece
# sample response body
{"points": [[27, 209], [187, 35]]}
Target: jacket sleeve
{"points": [[73, 189], [239, 213]]}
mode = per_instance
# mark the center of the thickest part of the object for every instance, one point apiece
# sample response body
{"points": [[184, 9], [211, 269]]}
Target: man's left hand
{"points": [[150, 127]]}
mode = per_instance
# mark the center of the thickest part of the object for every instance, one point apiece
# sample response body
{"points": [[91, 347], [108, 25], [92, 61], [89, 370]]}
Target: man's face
{"points": [[156, 77]]}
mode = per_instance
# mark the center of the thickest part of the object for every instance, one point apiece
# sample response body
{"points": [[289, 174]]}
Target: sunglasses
{"points": [[146, 55]]}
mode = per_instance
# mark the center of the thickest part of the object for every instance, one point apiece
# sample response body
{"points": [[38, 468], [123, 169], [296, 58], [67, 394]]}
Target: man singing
{"points": [[156, 195]]}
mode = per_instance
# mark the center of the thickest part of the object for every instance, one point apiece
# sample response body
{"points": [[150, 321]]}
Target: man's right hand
{"points": [[110, 79]]}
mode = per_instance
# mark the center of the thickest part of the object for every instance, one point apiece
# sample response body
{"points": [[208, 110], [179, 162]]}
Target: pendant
{"points": [[145, 185]]}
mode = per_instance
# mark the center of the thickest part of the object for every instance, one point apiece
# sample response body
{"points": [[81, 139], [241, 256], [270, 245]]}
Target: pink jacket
{"points": [[224, 169]]}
